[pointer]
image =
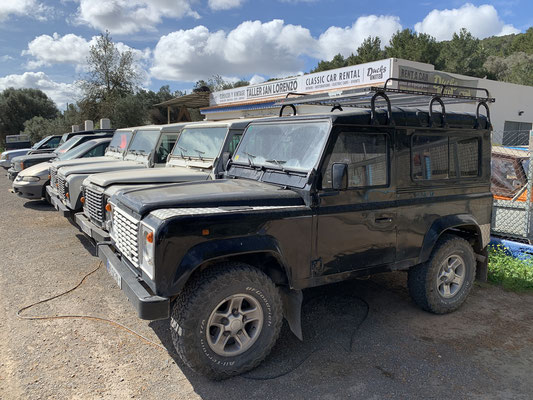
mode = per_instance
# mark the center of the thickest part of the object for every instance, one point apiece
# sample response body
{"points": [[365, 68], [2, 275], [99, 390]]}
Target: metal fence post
{"points": [[529, 188]]}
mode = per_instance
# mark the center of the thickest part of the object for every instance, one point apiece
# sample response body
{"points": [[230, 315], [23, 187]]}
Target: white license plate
{"points": [[113, 272]]}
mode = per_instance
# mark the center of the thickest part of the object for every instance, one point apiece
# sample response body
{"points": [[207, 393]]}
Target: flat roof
{"points": [[193, 100]]}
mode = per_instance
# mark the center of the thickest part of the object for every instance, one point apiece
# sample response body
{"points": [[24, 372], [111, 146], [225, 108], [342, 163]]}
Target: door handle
{"points": [[383, 220]]}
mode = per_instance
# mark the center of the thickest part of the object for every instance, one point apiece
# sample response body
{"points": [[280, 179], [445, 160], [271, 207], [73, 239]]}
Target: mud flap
{"points": [[292, 309], [482, 265]]}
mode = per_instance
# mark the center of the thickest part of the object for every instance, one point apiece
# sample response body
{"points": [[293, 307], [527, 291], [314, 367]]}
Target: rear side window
{"points": [[52, 143], [167, 143], [97, 151], [234, 142], [444, 157], [366, 156]]}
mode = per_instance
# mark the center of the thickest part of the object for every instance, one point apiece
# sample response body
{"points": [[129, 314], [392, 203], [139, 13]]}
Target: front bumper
{"points": [[90, 229], [12, 174], [58, 204], [148, 305], [29, 190]]}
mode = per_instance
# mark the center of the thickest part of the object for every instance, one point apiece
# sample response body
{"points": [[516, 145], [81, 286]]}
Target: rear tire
{"points": [[226, 320], [442, 284]]}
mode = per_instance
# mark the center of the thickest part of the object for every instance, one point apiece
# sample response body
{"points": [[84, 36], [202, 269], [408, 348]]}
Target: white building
{"points": [[511, 113]]}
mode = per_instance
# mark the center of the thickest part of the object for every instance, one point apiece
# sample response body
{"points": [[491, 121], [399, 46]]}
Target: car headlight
{"points": [[31, 179], [146, 250]]}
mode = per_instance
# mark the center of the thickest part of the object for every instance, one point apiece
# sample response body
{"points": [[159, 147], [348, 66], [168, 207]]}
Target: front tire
{"points": [[226, 320], [442, 284]]}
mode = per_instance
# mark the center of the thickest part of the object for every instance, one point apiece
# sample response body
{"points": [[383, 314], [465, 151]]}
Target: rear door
{"points": [[357, 227]]}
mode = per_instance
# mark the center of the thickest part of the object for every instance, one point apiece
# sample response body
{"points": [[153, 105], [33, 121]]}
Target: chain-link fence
{"points": [[512, 212]]}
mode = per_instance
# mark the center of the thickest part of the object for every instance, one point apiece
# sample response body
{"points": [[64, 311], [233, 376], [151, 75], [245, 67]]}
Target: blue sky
{"points": [[44, 43]]}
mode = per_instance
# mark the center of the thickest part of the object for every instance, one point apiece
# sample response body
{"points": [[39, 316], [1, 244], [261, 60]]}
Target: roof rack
{"points": [[403, 92]]}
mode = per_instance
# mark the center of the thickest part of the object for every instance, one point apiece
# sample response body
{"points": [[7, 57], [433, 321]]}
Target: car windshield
{"points": [[200, 142], [39, 143], [120, 141], [77, 151], [283, 146], [67, 145], [143, 142]]}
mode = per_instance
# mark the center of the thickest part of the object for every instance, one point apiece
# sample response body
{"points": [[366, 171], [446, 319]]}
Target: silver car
{"points": [[31, 182]]}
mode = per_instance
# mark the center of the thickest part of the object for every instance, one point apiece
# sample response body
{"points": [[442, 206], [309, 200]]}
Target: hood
{"points": [[95, 168], [40, 169], [79, 161], [35, 157], [218, 193], [152, 175], [16, 152]]}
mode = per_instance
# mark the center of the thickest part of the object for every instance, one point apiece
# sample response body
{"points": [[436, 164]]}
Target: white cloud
{"points": [[256, 79], [266, 48], [26, 8], [346, 40], [482, 21], [60, 93], [224, 4], [72, 49], [6, 58], [128, 16]]}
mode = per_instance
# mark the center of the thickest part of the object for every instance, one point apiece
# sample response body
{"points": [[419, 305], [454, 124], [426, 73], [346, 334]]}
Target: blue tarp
{"points": [[518, 250]]}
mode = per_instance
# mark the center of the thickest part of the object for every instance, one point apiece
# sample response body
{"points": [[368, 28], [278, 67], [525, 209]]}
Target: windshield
{"points": [[39, 143], [283, 145], [76, 152], [143, 142], [200, 142], [67, 145], [120, 141]]}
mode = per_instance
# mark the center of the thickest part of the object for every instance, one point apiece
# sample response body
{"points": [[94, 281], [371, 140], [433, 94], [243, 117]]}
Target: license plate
{"points": [[113, 272]]}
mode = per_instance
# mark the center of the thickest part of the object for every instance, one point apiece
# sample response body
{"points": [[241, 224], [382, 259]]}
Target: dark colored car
{"points": [[22, 162], [307, 201]]}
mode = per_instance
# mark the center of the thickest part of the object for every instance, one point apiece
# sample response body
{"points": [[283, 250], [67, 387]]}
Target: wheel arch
{"points": [[463, 225]]}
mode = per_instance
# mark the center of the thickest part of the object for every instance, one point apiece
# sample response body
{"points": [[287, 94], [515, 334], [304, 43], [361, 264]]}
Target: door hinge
{"points": [[317, 268]]}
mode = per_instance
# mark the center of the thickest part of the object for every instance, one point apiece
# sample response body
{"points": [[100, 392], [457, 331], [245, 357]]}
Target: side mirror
{"points": [[339, 176], [225, 159]]}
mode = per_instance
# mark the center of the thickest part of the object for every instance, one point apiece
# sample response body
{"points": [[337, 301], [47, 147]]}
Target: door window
{"points": [[366, 156], [167, 143]]}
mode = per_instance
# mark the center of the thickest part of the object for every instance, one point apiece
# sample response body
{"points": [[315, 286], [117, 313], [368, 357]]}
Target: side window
{"points": [[97, 151], [52, 143], [429, 157], [444, 157], [234, 143], [167, 143], [366, 156]]}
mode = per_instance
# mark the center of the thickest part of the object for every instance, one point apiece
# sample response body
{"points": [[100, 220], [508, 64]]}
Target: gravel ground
{"points": [[364, 339]]}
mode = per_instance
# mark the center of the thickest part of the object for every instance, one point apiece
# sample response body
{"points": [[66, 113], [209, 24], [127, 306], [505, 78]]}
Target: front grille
{"points": [[53, 177], [61, 187], [126, 233], [94, 204]]}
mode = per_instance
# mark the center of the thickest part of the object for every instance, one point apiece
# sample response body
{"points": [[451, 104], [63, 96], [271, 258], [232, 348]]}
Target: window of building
{"points": [[366, 156], [516, 133]]}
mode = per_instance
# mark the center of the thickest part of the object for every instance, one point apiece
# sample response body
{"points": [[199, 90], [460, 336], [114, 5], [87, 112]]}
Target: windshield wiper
{"points": [[183, 149], [250, 157], [199, 153], [278, 163]]}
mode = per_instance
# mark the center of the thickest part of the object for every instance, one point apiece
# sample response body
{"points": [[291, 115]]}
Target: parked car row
{"points": [[220, 226]]}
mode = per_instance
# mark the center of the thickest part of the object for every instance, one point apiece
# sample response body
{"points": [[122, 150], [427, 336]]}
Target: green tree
{"points": [[368, 51], [463, 55], [413, 46], [336, 62], [516, 68], [523, 42], [216, 83], [20, 105]]}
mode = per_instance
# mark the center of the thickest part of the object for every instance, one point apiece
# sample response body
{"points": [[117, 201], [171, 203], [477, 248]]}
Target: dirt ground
{"points": [[364, 339]]}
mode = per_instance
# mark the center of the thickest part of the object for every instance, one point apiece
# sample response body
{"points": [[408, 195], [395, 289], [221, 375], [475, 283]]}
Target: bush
{"points": [[509, 272]]}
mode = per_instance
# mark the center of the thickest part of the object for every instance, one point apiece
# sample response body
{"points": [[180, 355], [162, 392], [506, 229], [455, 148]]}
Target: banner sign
{"points": [[368, 74], [435, 77]]}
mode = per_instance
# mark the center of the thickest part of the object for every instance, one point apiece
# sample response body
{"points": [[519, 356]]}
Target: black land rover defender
{"points": [[307, 201]]}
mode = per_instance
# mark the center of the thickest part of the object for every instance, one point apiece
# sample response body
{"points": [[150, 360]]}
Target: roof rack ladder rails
{"points": [[438, 100], [373, 119]]}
